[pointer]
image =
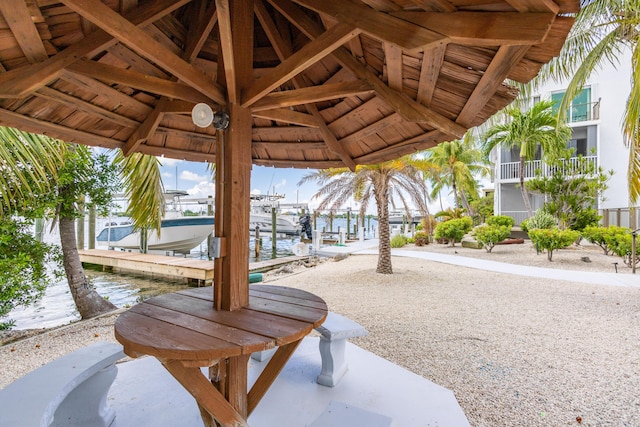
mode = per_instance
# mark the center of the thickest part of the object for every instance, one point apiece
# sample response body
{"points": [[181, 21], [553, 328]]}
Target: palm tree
{"points": [[459, 162], [40, 173], [401, 179], [528, 130], [603, 30]]}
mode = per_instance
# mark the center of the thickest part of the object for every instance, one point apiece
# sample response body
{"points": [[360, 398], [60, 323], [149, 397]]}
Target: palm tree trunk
{"points": [[455, 190], [88, 302], [466, 204], [384, 238], [523, 189]]}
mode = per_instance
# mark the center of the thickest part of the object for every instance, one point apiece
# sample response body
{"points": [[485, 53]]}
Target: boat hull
{"points": [[284, 225], [176, 235]]}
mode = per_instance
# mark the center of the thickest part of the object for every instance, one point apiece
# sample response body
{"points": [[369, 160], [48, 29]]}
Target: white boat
{"points": [[261, 215], [176, 235]]}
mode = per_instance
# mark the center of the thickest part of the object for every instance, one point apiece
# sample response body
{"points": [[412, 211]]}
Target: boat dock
{"points": [[198, 272]]}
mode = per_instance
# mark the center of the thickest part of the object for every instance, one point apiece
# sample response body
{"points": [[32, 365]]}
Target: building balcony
{"points": [[510, 172], [583, 112]]}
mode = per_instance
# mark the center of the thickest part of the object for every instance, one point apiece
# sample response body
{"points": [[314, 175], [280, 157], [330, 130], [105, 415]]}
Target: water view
{"points": [[57, 308]]}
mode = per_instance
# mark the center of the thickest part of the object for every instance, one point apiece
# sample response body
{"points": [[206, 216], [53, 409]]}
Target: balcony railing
{"points": [[584, 112], [511, 171]]}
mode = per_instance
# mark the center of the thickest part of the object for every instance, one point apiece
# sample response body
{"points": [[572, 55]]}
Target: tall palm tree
{"points": [[603, 30], [396, 180], [528, 130], [459, 163], [39, 173]]}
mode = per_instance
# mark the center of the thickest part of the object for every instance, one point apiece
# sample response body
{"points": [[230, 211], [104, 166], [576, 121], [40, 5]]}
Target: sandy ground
{"points": [[516, 351]]}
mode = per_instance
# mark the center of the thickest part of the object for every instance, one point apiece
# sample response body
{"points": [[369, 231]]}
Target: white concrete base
{"points": [[341, 414], [144, 394]]}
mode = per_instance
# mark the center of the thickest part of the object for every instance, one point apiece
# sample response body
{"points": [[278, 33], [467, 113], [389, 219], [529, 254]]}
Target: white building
{"points": [[596, 118]]}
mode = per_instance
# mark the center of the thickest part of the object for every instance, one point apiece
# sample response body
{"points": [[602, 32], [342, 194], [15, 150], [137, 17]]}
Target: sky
{"points": [[194, 178]]}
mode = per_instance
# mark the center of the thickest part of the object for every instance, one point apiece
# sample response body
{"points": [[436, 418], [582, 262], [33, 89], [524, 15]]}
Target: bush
{"points": [[552, 239], [540, 219], [621, 245], [23, 267], [454, 229], [398, 241], [421, 238], [489, 235], [602, 236], [500, 220]]}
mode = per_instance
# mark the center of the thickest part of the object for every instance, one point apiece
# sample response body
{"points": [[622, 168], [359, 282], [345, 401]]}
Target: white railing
{"points": [[511, 170], [584, 112]]}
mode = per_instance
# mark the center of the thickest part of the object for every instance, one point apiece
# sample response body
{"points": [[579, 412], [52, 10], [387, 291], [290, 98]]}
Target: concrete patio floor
{"points": [[145, 394]]}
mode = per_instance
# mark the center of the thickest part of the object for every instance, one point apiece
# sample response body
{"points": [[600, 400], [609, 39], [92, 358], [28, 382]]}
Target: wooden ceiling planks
{"points": [[332, 82]]}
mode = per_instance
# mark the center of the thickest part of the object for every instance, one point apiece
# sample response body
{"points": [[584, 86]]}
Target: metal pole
{"points": [[273, 230]]}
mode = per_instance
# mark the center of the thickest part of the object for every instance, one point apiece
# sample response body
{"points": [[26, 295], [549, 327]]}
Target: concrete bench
{"points": [[334, 333], [69, 391]]}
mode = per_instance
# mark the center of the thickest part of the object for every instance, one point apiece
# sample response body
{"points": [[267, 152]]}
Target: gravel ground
{"points": [[516, 351]]}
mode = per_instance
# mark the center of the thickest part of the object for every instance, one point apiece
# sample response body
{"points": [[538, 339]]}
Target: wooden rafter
{"points": [[481, 28], [432, 60], [311, 94], [134, 79], [393, 56], [435, 5], [322, 46], [196, 38], [138, 40], [376, 24], [226, 47], [18, 17], [285, 115], [20, 81]]}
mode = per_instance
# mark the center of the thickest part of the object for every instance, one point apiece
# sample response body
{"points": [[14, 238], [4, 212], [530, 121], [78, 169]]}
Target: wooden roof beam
{"points": [[373, 128], [308, 55], [196, 37], [112, 74], [393, 57], [378, 25], [19, 82], [535, 6], [493, 77], [300, 164], [24, 29], [285, 115], [85, 106], [484, 28], [139, 41], [432, 61], [311, 94], [405, 147], [435, 5], [409, 109], [226, 48]]}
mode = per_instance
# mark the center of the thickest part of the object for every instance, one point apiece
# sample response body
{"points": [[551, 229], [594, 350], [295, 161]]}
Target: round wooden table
{"points": [[186, 333]]}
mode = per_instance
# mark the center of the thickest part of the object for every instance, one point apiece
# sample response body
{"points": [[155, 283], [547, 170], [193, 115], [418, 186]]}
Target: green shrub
{"points": [[490, 235], [398, 241], [540, 219], [500, 220], [620, 244], [421, 238], [552, 239], [23, 267], [601, 236], [454, 229]]}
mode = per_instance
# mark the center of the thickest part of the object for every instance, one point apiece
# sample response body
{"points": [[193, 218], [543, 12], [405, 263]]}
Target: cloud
{"points": [[166, 161], [255, 191], [282, 183], [202, 189], [190, 176]]}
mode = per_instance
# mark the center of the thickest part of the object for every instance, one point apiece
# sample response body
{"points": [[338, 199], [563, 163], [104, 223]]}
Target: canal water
{"points": [[56, 308]]}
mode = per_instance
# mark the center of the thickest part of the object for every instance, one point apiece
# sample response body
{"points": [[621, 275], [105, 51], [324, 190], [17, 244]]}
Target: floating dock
{"points": [[198, 272]]}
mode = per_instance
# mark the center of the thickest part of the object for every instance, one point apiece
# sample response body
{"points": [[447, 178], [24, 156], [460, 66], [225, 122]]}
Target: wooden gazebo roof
{"points": [[328, 82]]}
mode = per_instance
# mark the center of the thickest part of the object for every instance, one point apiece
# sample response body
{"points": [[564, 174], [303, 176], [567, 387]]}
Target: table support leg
{"points": [[269, 374], [203, 391]]}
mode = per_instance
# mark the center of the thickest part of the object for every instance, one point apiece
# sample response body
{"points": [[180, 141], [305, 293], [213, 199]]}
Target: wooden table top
{"points": [[185, 326]]}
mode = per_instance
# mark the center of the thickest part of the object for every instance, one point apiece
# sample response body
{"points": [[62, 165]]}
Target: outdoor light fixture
{"points": [[203, 116]]}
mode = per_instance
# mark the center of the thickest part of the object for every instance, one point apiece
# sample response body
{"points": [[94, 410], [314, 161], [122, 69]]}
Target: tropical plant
{"points": [[23, 267], [602, 32], [603, 236], [449, 214], [483, 207], [398, 241], [453, 230], [552, 239], [421, 238], [571, 191], [459, 163], [541, 219], [501, 220], [396, 180], [621, 245], [56, 178], [529, 130], [488, 235]]}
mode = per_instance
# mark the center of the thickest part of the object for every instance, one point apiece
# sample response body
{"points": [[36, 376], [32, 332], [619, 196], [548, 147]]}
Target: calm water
{"points": [[57, 308]]}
